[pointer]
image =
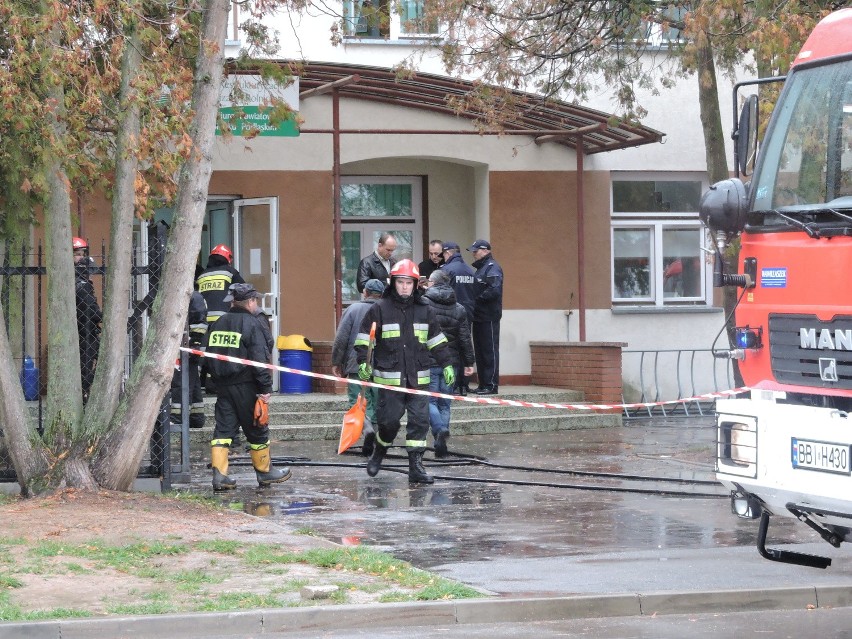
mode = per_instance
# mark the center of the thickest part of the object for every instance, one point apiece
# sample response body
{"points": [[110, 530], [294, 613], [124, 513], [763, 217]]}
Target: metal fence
{"points": [[673, 374], [23, 291]]}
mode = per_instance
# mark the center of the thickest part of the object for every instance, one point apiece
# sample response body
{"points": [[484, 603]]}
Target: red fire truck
{"points": [[787, 449]]}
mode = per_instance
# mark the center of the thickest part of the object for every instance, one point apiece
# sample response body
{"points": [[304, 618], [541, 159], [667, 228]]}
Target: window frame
{"points": [[657, 223], [367, 226], [395, 27]]}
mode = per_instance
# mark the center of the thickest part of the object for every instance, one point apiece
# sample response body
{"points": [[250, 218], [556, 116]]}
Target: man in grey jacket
{"points": [[344, 362]]}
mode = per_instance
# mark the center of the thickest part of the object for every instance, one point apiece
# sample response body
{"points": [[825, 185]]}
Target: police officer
{"points": [[463, 282], [487, 312], [407, 332], [89, 314], [238, 333]]}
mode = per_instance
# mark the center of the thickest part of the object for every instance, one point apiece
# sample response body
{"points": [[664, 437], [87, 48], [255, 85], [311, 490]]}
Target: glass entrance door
{"points": [[256, 254]]}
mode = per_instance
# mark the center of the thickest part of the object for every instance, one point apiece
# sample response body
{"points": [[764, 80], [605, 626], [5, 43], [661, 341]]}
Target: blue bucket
{"points": [[293, 382]]}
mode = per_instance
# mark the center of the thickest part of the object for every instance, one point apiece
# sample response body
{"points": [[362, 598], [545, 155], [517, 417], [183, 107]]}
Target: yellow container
{"points": [[293, 343]]}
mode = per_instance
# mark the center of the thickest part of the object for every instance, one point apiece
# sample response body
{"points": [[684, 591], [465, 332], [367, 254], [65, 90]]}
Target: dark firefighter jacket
{"points": [[213, 283], [88, 310], [407, 331], [452, 317], [238, 333]]}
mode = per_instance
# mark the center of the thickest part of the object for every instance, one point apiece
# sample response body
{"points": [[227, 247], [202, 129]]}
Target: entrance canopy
{"points": [[547, 121]]}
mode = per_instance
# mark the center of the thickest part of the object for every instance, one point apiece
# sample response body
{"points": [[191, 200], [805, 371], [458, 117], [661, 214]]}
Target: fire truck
{"points": [[786, 449]]}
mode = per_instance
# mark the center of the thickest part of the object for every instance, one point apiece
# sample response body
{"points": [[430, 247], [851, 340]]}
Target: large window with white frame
{"points": [[385, 20], [658, 242], [370, 206]]}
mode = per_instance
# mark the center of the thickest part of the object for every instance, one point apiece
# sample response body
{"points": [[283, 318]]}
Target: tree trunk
{"points": [[717, 165], [29, 460], [110, 371], [117, 458], [64, 411]]}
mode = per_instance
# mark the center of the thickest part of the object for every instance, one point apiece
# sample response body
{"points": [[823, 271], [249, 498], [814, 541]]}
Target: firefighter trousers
{"points": [[390, 408]]}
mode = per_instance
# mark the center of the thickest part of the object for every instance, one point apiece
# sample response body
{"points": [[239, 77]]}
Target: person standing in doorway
{"points": [[344, 361], [89, 315], [213, 283], [452, 319], [434, 261], [378, 264], [487, 312], [407, 333], [239, 334]]}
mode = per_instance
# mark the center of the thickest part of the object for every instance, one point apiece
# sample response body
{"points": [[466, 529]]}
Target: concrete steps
{"points": [[317, 416]]}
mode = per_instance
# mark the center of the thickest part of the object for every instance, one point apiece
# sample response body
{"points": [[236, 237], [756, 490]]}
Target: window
{"points": [[379, 19], [657, 242], [370, 206]]}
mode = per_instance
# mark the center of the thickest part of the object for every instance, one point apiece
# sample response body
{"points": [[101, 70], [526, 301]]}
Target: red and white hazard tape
{"points": [[495, 401]]}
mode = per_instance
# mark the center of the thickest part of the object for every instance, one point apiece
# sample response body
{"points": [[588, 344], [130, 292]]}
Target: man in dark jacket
{"points": [[344, 361], [433, 261], [463, 281], [89, 314], [238, 333], [487, 312], [378, 264], [407, 331], [452, 318]]}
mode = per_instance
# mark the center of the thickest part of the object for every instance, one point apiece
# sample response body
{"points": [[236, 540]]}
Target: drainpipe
{"points": [[336, 251], [581, 256]]}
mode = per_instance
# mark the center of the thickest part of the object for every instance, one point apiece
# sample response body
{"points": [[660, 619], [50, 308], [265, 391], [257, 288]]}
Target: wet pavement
{"points": [[480, 522]]}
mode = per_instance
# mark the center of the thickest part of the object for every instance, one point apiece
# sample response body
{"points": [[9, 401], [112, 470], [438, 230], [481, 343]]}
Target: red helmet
{"points": [[405, 268], [224, 251], [79, 243]]}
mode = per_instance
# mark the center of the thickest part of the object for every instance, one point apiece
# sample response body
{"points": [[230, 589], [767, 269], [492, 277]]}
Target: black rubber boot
{"points": [[375, 461], [441, 444], [369, 444], [416, 472]]}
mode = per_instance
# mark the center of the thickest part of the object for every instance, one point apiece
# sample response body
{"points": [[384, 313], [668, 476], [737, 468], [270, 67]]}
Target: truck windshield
{"points": [[805, 169]]}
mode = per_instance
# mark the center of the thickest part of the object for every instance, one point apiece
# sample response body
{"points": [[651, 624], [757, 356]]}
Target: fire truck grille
{"points": [[806, 351]]}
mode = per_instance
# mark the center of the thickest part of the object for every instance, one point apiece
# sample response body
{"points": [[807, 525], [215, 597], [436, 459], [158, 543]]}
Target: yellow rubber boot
{"points": [[262, 462], [219, 462]]}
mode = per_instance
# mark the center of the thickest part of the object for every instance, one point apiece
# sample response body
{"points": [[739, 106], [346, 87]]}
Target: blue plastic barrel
{"points": [[29, 379], [294, 351]]}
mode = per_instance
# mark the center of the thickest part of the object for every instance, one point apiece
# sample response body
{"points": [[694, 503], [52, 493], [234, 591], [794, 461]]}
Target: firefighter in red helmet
{"points": [[88, 314], [407, 332], [213, 283]]}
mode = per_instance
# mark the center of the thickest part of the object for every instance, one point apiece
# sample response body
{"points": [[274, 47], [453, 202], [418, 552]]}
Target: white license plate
{"points": [[824, 457]]}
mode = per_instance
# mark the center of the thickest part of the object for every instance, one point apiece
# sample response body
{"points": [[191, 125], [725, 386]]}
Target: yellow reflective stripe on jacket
{"points": [[388, 378], [440, 338], [362, 339], [225, 339], [424, 377], [212, 316], [421, 331], [390, 330]]}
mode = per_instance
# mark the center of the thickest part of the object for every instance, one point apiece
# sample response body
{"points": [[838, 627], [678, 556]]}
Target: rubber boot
{"points": [[219, 462], [441, 444], [416, 472], [375, 461], [266, 474], [369, 444]]}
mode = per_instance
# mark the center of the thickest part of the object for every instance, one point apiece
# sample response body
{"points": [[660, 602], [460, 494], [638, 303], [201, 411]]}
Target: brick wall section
{"points": [[591, 367], [321, 363]]}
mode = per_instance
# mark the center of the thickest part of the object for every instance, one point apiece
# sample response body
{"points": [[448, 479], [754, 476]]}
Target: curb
{"points": [[439, 613]]}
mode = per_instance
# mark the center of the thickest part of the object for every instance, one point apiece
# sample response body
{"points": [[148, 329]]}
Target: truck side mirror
{"points": [[746, 138]]}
